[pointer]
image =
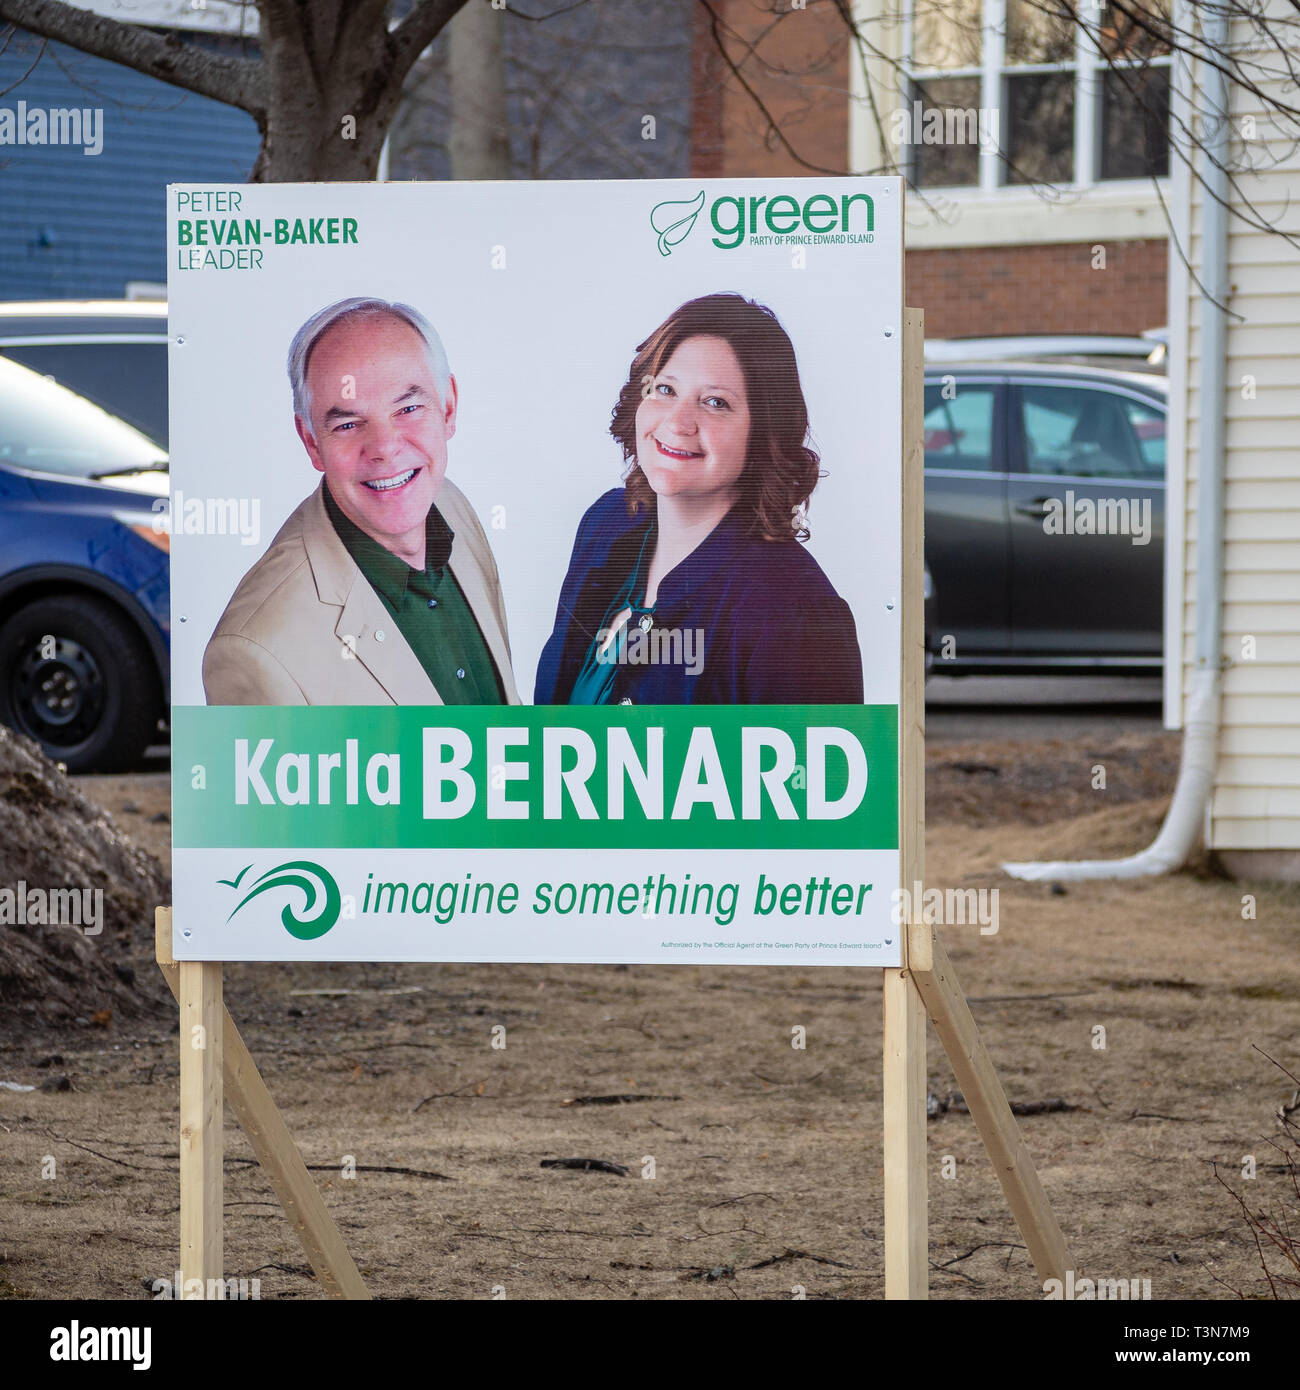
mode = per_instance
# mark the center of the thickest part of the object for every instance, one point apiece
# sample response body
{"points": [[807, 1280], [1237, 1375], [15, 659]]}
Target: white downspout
{"points": [[1186, 816]]}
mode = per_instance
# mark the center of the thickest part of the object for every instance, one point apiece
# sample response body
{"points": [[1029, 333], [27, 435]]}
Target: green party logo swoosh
{"points": [[673, 221], [321, 902]]}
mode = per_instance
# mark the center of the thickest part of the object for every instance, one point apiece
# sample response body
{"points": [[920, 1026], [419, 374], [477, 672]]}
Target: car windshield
{"points": [[48, 429], [129, 379]]}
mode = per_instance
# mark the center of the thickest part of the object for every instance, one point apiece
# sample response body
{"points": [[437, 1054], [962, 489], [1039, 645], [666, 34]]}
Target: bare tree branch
{"points": [[419, 29], [31, 67], [234, 81]]}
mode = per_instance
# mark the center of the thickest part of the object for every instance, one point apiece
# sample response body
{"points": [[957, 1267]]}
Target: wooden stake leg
{"points": [[273, 1144], [199, 995], [988, 1106], [907, 1268]]}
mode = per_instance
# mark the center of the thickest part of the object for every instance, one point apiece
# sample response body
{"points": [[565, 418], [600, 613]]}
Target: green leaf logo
{"points": [[673, 221], [321, 898]]}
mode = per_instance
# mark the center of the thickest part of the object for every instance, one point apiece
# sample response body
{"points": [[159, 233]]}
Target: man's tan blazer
{"points": [[304, 627]]}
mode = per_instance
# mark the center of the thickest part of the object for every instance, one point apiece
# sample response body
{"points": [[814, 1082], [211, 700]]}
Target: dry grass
{"points": [[768, 1167]]}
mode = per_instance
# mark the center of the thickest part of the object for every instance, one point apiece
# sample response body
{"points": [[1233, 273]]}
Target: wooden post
{"points": [[907, 1266], [906, 1198], [273, 1144], [198, 991], [926, 983]]}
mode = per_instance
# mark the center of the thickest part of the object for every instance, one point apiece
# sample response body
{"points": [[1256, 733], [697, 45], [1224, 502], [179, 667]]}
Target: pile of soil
{"points": [[52, 837]]}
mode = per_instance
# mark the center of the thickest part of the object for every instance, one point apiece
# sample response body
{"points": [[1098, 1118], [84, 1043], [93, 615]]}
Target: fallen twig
{"points": [[1026, 998], [983, 1245], [300, 1270], [955, 1102], [1276, 1063], [587, 1165], [1259, 1167], [788, 1254], [1055, 1106], [379, 1168], [612, 1100], [443, 1095], [108, 1158]]}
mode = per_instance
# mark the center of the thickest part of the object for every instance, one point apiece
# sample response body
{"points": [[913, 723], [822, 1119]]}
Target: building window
{"points": [[1049, 101]]}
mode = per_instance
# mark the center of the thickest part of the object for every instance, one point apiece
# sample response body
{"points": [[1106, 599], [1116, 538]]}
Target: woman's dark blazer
{"points": [[773, 629]]}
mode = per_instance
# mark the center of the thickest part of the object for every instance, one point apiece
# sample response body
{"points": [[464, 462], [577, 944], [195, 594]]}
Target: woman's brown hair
{"points": [[781, 470]]}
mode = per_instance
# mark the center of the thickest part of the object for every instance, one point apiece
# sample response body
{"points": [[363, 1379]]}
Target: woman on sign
{"points": [[690, 583]]}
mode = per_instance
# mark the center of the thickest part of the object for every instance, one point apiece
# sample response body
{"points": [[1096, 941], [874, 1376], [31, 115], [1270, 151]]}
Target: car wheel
{"points": [[76, 676]]}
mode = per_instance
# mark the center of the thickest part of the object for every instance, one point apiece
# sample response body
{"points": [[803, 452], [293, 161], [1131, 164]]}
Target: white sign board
{"points": [[536, 570]]}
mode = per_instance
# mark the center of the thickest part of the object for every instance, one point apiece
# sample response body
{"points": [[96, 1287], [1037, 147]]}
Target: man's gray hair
{"points": [[356, 310]]}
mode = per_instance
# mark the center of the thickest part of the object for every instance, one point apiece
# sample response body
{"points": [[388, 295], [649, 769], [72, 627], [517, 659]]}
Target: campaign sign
{"points": [[536, 570]]}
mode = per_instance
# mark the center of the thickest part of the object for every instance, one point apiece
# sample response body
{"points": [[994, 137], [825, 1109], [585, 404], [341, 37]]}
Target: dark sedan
{"points": [[1044, 519]]}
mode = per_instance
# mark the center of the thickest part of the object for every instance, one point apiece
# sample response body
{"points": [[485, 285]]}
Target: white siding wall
{"points": [[1256, 801]]}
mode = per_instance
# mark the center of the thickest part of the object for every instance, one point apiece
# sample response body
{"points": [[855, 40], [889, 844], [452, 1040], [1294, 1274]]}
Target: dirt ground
{"points": [[766, 1160]]}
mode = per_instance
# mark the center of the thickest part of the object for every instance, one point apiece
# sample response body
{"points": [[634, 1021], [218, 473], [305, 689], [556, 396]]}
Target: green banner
{"points": [[487, 777]]}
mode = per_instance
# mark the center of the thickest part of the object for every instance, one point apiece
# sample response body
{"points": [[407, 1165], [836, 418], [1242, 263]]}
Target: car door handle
{"points": [[1037, 508]]}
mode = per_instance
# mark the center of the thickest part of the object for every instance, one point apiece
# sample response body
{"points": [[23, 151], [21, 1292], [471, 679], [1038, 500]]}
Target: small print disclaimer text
{"points": [[770, 945]]}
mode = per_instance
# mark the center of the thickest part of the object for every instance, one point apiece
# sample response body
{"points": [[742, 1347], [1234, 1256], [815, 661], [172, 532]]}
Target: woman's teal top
{"points": [[595, 681]]}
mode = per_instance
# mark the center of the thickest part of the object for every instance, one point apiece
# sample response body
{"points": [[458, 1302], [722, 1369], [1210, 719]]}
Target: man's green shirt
{"points": [[429, 608]]}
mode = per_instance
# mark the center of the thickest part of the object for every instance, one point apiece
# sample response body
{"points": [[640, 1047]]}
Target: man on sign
{"points": [[381, 587]]}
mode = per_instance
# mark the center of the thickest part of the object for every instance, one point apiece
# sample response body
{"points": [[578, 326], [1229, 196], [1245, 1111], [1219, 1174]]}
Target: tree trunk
{"points": [[323, 91], [330, 93], [479, 141]]}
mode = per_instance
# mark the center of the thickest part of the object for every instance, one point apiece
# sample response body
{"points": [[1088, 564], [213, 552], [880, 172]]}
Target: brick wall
{"points": [[793, 119], [986, 290]]}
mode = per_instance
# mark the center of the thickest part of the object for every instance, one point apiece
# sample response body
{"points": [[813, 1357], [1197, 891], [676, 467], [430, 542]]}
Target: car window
{"points": [[959, 426], [128, 380], [1148, 422], [1081, 432], [48, 429]]}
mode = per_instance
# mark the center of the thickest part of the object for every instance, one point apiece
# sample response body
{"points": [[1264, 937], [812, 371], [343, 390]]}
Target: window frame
{"points": [[1089, 69]]}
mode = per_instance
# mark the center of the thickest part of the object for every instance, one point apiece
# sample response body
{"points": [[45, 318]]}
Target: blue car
{"points": [[84, 593]]}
